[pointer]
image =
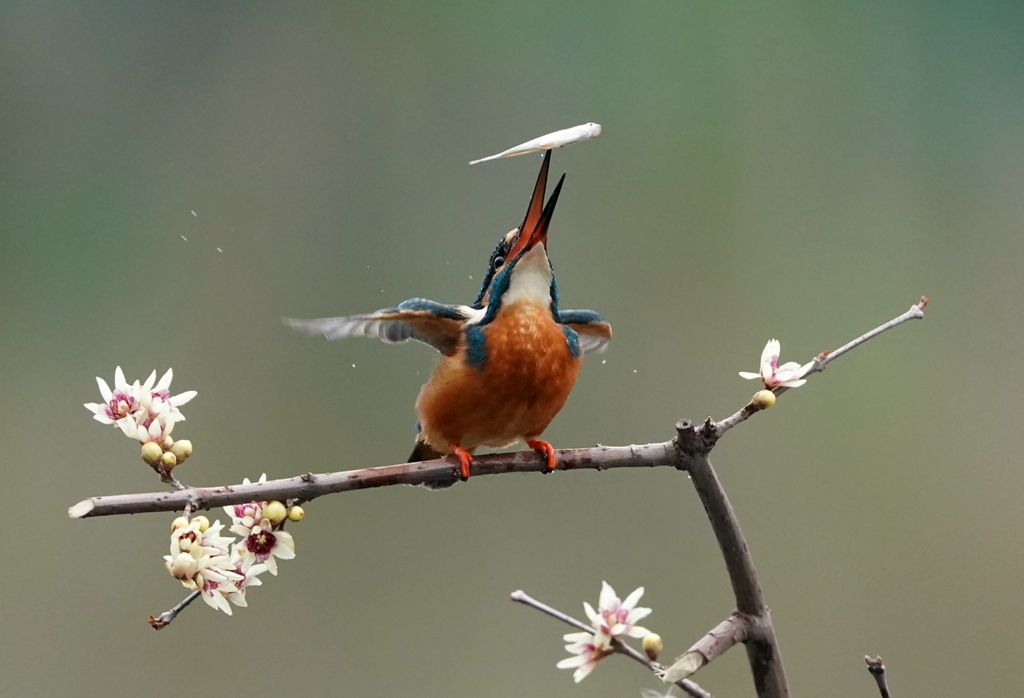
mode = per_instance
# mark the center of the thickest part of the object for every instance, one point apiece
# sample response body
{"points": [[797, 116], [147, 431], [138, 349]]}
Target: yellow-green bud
{"points": [[180, 522], [295, 513], [151, 452], [167, 443], [204, 523], [652, 645], [168, 460], [274, 512], [182, 449], [763, 399]]}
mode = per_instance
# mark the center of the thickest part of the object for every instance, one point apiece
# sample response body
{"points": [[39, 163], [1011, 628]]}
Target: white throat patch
{"points": [[531, 280]]}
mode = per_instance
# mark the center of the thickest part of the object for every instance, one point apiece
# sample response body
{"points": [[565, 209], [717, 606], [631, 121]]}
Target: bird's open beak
{"points": [[534, 229]]}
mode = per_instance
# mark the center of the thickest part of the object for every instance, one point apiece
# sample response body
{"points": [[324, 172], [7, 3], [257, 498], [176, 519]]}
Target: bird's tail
{"points": [[421, 452]]}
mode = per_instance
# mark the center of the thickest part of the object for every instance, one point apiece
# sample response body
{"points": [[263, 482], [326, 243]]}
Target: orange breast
{"points": [[525, 380]]}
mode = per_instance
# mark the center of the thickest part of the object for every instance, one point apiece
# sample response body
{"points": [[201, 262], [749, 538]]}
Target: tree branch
{"points": [[620, 647], [735, 628], [762, 645], [164, 619], [818, 365], [877, 670], [310, 486]]}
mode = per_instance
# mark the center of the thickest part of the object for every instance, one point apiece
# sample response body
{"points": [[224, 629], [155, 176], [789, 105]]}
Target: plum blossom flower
{"points": [[614, 617], [157, 399], [261, 543], [588, 649], [774, 376], [118, 404], [201, 561], [145, 411], [145, 428]]}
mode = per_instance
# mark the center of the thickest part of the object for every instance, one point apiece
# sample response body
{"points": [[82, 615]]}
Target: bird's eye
{"points": [[498, 261]]}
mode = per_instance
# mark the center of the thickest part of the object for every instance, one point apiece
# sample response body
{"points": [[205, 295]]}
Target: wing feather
{"points": [[595, 334], [432, 323]]}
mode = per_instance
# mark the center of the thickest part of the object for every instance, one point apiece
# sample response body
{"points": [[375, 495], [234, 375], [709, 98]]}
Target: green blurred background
{"points": [[794, 170]]}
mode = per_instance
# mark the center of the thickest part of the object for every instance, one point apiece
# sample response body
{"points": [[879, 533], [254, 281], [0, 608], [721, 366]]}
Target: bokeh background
{"points": [[174, 177]]}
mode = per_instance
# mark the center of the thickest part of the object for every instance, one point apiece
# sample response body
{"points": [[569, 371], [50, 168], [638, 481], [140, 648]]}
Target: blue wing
{"points": [[595, 334], [426, 321]]}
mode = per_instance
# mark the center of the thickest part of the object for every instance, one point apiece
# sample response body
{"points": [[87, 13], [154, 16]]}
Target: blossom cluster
{"points": [[146, 412], [221, 568], [613, 618]]}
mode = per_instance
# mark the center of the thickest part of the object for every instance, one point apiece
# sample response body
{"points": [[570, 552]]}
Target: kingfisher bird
{"points": [[508, 361]]}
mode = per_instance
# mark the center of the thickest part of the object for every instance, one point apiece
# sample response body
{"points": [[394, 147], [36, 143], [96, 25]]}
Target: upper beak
{"points": [[538, 215]]}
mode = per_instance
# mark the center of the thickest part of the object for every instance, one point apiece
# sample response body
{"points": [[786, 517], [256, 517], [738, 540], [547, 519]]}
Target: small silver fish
{"points": [[548, 141]]}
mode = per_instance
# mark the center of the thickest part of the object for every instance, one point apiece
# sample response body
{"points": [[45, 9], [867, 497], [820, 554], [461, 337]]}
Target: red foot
{"points": [[465, 459], [545, 449]]}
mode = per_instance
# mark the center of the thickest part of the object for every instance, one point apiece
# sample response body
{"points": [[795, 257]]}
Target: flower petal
{"points": [[607, 597], [165, 380], [748, 375], [104, 389], [182, 398], [572, 662], [631, 600]]}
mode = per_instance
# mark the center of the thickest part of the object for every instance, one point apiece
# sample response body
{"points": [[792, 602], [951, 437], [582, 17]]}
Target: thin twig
{"points": [[617, 645], [818, 365], [164, 619], [877, 670], [310, 486]]}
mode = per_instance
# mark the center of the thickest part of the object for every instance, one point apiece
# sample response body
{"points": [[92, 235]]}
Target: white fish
{"points": [[548, 141]]}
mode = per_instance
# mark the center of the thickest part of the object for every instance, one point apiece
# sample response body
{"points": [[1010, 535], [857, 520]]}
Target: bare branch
{"points": [[736, 628], [164, 619], [762, 646], [877, 670], [310, 486], [617, 645], [819, 363]]}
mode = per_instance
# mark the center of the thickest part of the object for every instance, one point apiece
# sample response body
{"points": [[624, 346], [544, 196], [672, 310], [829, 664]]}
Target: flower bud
{"points": [[184, 566], [763, 399], [295, 513], [274, 512], [151, 452], [182, 450], [204, 523], [179, 522], [652, 645], [168, 460], [167, 443]]}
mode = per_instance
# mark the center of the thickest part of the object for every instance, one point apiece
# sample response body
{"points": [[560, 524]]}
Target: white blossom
{"points": [[142, 411], [587, 650], [773, 375], [614, 617]]}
